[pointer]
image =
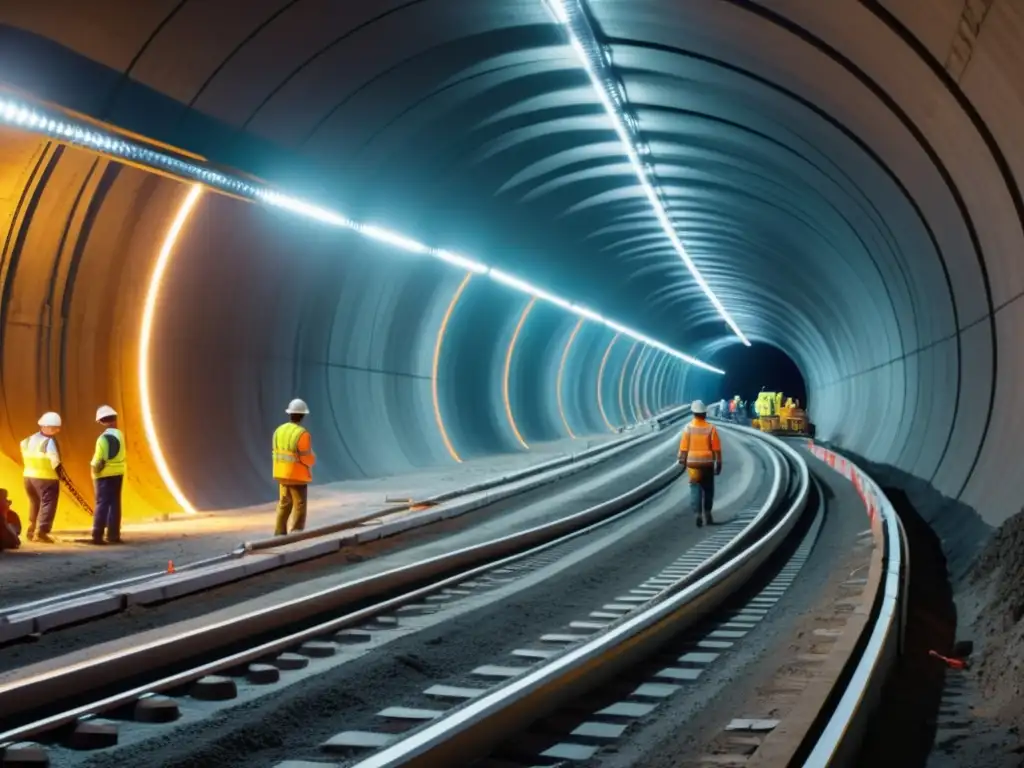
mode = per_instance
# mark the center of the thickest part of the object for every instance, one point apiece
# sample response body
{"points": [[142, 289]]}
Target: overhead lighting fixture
{"points": [[53, 124], [571, 15]]}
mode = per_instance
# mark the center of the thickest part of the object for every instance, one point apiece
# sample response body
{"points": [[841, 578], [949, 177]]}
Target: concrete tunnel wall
{"points": [[846, 174], [255, 308]]}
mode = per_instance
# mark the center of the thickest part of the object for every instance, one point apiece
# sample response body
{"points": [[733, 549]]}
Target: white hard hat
{"points": [[49, 419], [297, 406], [105, 412], [697, 406]]}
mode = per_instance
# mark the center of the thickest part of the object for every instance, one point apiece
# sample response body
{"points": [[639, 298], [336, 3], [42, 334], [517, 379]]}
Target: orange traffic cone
{"points": [[170, 566]]}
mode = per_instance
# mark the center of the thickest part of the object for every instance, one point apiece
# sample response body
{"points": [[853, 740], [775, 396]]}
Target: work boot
{"points": [[97, 541], [700, 521], [116, 540], [44, 538], [708, 520]]}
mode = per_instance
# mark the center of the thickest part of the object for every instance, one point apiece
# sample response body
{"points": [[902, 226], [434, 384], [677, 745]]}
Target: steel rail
{"points": [[472, 730], [612, 449], [37, 691]]}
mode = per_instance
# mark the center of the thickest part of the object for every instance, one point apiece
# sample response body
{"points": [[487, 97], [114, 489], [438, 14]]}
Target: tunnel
{"points": [[845, 176]]}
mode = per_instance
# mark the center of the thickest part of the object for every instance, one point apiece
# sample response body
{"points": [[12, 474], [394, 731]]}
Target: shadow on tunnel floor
{"points": [[903, 728], [949, 552]]}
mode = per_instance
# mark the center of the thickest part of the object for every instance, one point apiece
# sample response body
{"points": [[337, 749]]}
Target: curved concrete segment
{"points": [[846, 176]]}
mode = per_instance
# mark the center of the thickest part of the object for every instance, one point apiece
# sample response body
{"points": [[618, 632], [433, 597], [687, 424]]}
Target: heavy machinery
{"points": [[779, 416]]}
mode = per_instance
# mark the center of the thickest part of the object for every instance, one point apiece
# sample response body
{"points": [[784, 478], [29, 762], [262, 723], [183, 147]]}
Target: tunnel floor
{"points": [[38, 570]]}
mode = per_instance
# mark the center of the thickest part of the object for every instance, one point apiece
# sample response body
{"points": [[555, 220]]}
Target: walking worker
{"points": [[109, 465], [293, 467], [40, 455], [700, 451]]}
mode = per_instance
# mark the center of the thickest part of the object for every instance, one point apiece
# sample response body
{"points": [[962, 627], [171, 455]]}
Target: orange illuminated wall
{"points": [[82, 237]]}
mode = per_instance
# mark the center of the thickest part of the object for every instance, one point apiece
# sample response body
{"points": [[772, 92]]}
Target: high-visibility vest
{"points": [[36, 454], [110, 466], [292, 463], [699, 442]]}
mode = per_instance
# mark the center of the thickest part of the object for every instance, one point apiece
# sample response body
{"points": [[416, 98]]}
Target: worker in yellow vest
{"points": [[109, 465], [40, 455], [293, 467], [700, 451]]}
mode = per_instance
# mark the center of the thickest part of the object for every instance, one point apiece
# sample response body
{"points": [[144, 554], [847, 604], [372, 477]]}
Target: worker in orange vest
{"points": [[293, 467], [700, 451]]}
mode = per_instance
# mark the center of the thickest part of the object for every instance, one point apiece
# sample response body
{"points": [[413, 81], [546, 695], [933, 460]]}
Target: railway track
{"points": [[35, 705], [495, 702], [257, 557], [612, 650]]}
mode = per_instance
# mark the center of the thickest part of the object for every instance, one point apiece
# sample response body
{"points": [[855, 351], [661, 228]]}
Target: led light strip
{"points": [[149, 306], [570, 14], [51, 123]]}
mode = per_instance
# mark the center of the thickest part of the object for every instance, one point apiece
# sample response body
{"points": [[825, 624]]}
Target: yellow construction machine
{"points": [[778, 415]]}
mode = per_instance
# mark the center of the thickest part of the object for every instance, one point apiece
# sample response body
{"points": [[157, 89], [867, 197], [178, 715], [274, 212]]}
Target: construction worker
{"points": [[109, 464], [41, 457], [10, 523], [293, 464], [700, 451]]}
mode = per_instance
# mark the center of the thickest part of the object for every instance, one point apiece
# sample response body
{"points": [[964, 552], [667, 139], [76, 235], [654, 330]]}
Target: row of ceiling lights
{"points": [[572, 16], [57, 126]]}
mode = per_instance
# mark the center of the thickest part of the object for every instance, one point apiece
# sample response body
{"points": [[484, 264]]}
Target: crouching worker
{"points": [[10, 523], [700, 451]]}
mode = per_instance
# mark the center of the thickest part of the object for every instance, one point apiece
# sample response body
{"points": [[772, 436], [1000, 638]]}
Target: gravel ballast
{"points": [[289, 724]]}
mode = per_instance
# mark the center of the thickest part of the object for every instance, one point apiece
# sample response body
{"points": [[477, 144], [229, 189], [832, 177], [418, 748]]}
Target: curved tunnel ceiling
{"points": [[845, 175]]}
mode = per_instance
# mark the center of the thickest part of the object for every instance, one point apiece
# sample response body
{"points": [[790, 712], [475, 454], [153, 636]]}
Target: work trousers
{"points": [[107, 516], [702, 492], [293, 497], [42, 504]]}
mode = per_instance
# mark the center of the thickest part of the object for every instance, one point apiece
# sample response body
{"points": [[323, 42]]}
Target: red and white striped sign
{"points": [[862, 484]]}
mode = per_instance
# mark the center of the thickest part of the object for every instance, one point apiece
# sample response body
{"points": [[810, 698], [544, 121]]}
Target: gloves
{"points": [[718, 470]]}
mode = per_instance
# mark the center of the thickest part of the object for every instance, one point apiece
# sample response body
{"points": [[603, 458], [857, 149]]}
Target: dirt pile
{"points": [[998, 580]]}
